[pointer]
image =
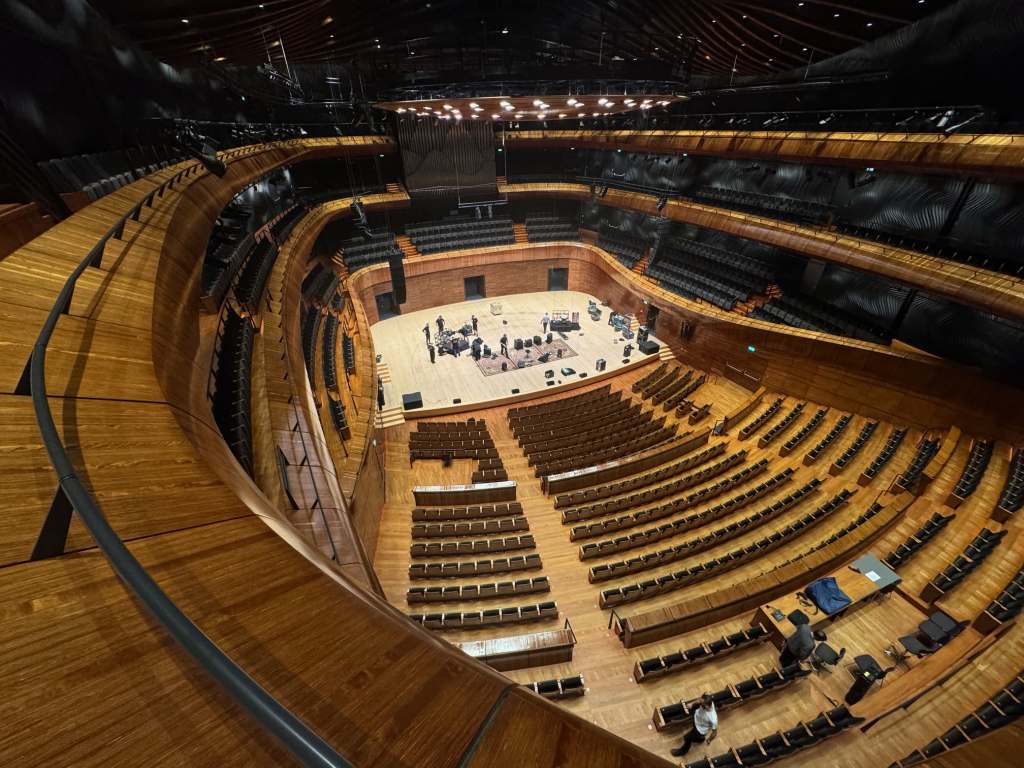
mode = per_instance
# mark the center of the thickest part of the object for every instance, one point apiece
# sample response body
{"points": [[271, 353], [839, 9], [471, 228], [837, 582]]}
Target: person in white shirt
{"points": [[544, 322], [705, 726]]}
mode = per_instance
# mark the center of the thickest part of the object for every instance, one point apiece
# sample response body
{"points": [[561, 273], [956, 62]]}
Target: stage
{"points": [[405, 363]]}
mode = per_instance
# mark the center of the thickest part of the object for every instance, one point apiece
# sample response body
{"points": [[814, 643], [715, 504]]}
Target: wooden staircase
{"points": [[391, 416], [340, 267], [501, 180], [406, 246], [772, 291], [393, 187], [520, 232], [641, 266], [666, 354]]}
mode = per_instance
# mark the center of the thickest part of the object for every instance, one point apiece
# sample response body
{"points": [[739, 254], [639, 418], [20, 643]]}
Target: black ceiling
{"points": [[415, 39]]}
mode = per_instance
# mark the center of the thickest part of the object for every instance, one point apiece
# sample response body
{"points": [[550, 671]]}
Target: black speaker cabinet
{"points": [[397, 278], [537, 340], [519, 344], [412, 400], [550, 337], [648, 347]]}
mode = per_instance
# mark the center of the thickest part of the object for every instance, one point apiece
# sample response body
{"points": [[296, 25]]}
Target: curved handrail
{"points": [[304, 744]]}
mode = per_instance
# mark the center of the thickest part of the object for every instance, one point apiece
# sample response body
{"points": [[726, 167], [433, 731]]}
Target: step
{"points": [[666, 354]]}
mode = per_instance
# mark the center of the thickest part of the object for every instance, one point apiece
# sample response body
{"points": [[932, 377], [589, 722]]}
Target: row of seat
{"points": [[424, 427], [718, 565], [963, 565], [539, 443], [679, 399], [485, 239], [470, 546], [691, 547], [727, 283], [761, 419], [638, 481], [525, 428], [702, 266], [667, 377], [489, 617], [1012, 496], [348, 353], [783, 744], [233, 382], [330, 344], [640, 385], [804, 432], [427, 454], [854, 448], [456, 593], [473, 512], [587, 442], [692, 287], [931, 528], [488, 475], [1010, 600], [310, 327], [556, 406], [1001, 709], [615, 450], [777, 429], [735, 262], [657, 666], [910, 477], [842, 533], [337, 409], [252, 278], [676, 383], [977, 463], [628, 247], [702, 475], [101, 173], [697, 414], [455, 226], [670, 508], [833, 434], [360, 252], [680, 714], [564, 688], [778, 206], [884, 456], [474, 568], [470, 528]]}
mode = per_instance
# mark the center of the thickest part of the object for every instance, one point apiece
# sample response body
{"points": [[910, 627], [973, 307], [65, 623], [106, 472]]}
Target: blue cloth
{"points": [[827, 595]]}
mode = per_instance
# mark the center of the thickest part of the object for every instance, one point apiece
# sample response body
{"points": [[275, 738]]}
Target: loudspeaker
{"points": [[648, 347], [537, 340], [515, 391], [397, 278], [504, 366], [550, 337], [519, 344], [601, 364], [412, 400], [457, 400], [487, 351]]}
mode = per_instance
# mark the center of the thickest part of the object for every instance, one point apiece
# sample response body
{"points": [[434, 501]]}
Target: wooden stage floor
{"points": [[400, 343]]}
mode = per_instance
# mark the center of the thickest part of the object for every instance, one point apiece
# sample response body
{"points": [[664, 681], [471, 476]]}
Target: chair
{"points": [[825, 656], [914, 645]]}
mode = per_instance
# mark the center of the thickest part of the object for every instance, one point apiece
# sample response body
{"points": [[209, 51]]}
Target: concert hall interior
{"points": [[476, 385]]}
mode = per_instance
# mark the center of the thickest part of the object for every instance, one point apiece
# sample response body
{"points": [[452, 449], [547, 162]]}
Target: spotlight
{"points": [[504, 30]]}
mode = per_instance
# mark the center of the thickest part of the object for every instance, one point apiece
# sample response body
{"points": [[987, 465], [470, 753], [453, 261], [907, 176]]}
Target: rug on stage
{"points": [[492, 365]]}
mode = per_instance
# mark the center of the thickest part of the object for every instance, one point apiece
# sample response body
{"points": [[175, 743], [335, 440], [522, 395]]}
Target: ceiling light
{"points": [[458, 117], [504, 30], [473, 105], [400, 110], [447, 107], [184, 21], [327, 20], [561, 114], [609, 103], [581, 114], [508, 107], [870, 24], [496, 117], [378, 44], [220, 58], [835, 15], [602, 101], [537, 102], [870, 169], [571, 102]]}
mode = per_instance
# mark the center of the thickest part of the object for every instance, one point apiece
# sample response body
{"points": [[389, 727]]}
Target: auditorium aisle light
{"points": [[751, 348]]}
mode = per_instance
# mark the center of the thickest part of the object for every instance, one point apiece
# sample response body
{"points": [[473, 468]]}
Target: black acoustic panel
{"points": [[898, 203], [992, 222], [871, 298], [397, 269]]}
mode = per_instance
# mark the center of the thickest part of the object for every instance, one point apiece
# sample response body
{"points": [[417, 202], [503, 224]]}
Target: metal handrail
{"points": [[303, 743]]}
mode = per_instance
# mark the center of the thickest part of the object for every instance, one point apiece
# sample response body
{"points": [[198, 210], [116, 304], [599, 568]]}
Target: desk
{"points": [[857, 586], [519, 651], [452, 495]]}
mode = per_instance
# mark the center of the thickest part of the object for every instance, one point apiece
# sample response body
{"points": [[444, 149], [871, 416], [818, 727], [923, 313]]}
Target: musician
{"points": [[430, 349], [426, 332], [440, 324], [504, 344], [474, 323], [544, 322]]}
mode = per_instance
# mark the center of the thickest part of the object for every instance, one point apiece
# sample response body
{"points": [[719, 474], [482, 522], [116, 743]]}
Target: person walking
{"points": [[544, 322], [474, 323], [440, 324], [504, 345], [380, 393], [430, 349], [704, 728], [426, 332]]}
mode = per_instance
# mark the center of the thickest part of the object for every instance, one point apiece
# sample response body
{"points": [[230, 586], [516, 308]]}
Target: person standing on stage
{"points": [[426, 332], [474, 324], [544, 321], [456, 348], [440, 324], [504, 345], [380, 393], [430, 349]]}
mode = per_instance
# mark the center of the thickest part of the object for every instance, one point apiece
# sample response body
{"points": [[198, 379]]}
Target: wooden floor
{"points": [[613, 700], [400, 343]]}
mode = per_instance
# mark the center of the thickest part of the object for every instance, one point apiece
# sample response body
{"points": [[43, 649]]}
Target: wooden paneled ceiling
{"points": [[713, 36]]}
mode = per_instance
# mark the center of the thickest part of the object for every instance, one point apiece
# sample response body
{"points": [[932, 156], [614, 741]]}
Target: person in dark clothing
{"points": [[474, 323], [440, 324], [430, 349], [456, 349], [380, 393], [426, 332], [800, 645], [504, 345]]}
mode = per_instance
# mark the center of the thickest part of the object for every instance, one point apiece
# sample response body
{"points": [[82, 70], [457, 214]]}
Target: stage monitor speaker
{"points": [[601, 364], [457, 400], [515, 391], [519, 344], [412, 400], [550, 337], [504, 366], [537, 340], [397, 278], [648, 347]]}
